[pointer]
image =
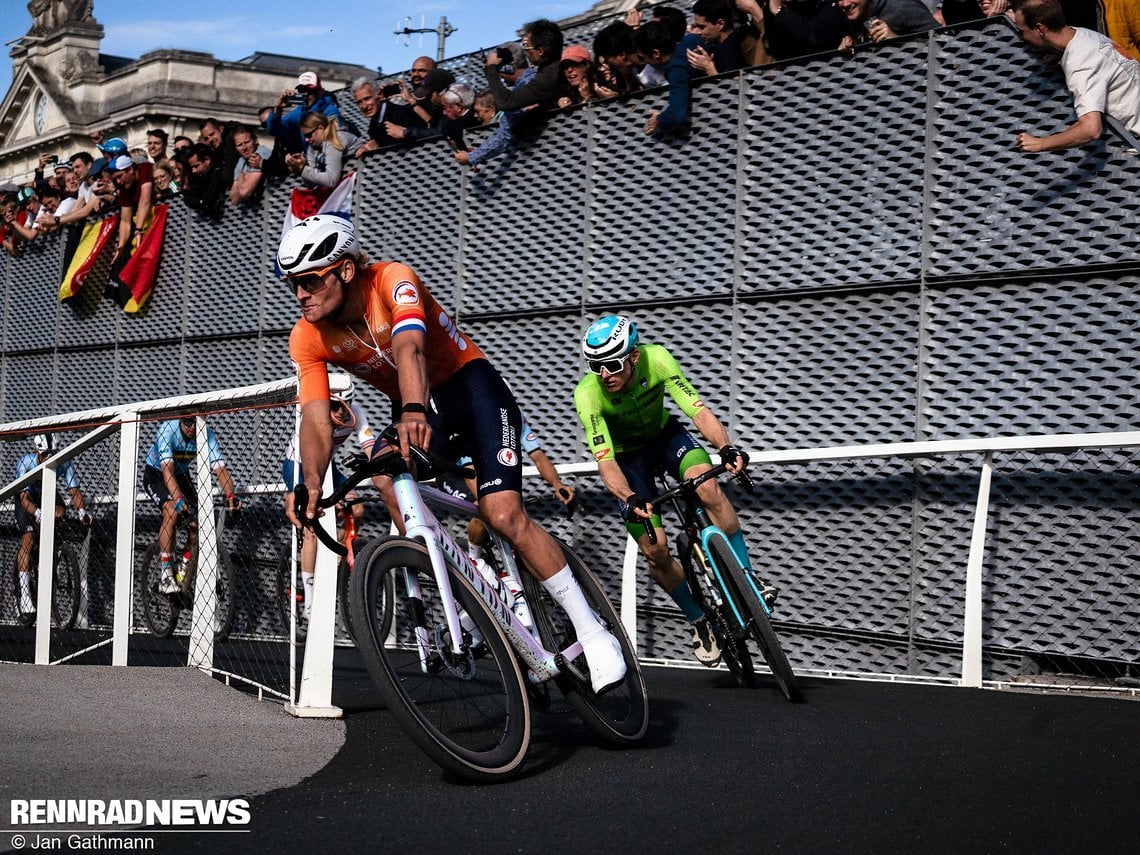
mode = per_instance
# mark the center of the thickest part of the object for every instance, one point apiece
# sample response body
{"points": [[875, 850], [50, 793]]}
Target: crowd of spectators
{"points": [[304, 133]]}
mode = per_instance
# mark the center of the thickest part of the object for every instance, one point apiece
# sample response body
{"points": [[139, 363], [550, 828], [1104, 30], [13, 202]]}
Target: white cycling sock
{"points": [[26, 604], [568, 594], [307, 581]]}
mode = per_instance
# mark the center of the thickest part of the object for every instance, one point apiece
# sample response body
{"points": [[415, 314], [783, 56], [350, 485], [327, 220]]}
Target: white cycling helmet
{"points": [[43, 442], [315, 243], [347, 394]]}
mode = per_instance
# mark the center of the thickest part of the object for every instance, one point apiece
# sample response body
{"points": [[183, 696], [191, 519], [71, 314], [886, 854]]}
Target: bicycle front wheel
{"points": [[160, 611], [468, 712], [344, 595], [762, 630], [65, 587], [620, 716], [225, 590]]}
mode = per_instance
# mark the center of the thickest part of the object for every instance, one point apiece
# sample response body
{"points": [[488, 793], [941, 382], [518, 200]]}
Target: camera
{"points": [[295, 100], [390, 89], [52, 158]]}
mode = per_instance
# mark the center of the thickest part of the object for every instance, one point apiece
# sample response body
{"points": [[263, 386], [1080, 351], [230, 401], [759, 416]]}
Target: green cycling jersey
{"points": [[629, 419]]}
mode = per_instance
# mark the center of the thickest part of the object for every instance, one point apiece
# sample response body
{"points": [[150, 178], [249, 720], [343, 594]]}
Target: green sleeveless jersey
{"points": [[631, 418]]}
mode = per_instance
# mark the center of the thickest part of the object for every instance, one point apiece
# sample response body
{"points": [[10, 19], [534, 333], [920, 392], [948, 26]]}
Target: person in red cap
{"points": [[307, 97], [580, 78]]}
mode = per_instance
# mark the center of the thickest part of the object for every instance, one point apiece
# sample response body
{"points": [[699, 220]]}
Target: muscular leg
{"points": [[538, 550]]}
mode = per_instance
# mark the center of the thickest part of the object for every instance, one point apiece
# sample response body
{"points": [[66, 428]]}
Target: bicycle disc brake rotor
{"points": [[462, 666]]}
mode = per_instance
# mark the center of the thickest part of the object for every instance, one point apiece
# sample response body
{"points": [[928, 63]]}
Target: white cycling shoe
{"points": [[604, 656]]}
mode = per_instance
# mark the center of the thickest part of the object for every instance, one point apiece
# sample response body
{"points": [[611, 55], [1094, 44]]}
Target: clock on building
{"points": [[39, 114]]}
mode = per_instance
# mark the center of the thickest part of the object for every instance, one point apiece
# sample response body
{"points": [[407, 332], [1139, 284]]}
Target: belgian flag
{"points": [[91, 244]]}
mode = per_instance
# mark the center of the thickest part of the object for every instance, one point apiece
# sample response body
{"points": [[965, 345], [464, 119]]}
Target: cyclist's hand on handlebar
{"points": [[637, 508], [734, 460], [413, 429], [564, 493], [180, 505], [233, 503]]}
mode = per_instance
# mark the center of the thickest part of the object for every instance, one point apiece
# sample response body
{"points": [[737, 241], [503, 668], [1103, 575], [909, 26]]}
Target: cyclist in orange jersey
{"points": [[379, 323]]}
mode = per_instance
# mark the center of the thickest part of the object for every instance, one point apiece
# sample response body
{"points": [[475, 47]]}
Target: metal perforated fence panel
{"points": [[844, 250]]}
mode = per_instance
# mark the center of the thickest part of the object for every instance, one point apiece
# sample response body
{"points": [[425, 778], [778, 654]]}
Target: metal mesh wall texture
{"points": [[846, 249]]}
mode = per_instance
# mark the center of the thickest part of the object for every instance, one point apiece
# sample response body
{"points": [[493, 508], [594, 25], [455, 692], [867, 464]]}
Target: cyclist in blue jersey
{"points": [[29, 510], [168, 480]]}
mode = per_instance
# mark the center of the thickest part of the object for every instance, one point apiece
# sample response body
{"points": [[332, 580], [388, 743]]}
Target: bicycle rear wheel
{"points": [[621, 716], [160, 611], [290, 593], [468, 713], [65, 587], [225, 587], [762, 630]]}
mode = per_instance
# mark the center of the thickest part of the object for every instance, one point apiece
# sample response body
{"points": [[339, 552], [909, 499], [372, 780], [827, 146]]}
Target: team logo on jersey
{"points": [[508, 457], [598, 455], [405, 293], [598, 440]]}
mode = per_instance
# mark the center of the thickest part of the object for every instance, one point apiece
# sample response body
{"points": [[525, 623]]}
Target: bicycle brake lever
{"points": [[746, 482]]}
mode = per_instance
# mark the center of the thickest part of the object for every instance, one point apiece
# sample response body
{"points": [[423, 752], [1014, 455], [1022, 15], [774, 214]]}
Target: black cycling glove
{"points": [[635, 501], [729, 455]]}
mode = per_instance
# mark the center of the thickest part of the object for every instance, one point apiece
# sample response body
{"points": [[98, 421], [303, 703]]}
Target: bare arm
{"points": [[146, 205], [545, 466], [1084, 130], [408, 352], [316, 452]]}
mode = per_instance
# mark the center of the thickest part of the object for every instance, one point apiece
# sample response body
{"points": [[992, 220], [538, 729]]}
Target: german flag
{"points": [[136, 280]]}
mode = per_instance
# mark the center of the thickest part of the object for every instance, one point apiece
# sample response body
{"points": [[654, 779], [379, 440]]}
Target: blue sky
{"points": [[361, 32]]}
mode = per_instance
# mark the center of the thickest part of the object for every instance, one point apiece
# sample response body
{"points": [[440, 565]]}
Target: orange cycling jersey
{"points": [[395, 302]]}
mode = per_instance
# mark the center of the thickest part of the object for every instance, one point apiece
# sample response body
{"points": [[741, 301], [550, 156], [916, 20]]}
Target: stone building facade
{"points": [[63, 88]]}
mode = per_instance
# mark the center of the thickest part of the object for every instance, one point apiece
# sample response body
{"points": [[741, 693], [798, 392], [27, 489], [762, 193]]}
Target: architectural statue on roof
{"points": [[51, 15]]}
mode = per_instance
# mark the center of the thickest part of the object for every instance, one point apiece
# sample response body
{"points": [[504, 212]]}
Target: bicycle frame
{"points": [[421, 524]]}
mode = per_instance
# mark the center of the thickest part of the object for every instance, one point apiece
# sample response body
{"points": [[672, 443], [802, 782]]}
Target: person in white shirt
{"points": [[1103, 78]]}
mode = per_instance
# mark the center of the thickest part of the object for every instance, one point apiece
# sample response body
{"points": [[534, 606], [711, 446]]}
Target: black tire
{"points": [[225, 588], [65, 587], [762, 630], [621, 715], [160, 611], [286, 599], [344, 595], [475, 724]]}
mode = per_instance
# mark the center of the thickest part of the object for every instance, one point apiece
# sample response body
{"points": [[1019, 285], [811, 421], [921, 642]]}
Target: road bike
{"points": [[162, 610], [463, 669], [64, 574], [731, 595], [288, 577]]}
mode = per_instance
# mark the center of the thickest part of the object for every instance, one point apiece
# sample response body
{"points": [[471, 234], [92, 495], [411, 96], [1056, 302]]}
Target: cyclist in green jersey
{"points": [[632, 436]]}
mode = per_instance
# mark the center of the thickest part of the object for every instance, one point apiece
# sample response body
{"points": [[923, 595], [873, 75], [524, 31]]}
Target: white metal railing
{"points": [[124, 419], [972, 628], [316, 682]]}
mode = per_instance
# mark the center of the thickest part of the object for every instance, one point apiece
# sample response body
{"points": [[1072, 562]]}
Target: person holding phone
{"points": [[375, 105]]}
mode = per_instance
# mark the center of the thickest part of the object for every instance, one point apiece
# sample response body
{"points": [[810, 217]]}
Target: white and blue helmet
{"points": [[609, 337]]}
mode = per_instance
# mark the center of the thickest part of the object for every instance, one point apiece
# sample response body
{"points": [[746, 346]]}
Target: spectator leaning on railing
{"points": [[663, 51], [248, 175], [514, 71], [375, 104], [542, 42], [306, 97], [428, 108], [798, 27], [322, 164], [206, 189], [879, 20], [1104, 80], [617, 58]]}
